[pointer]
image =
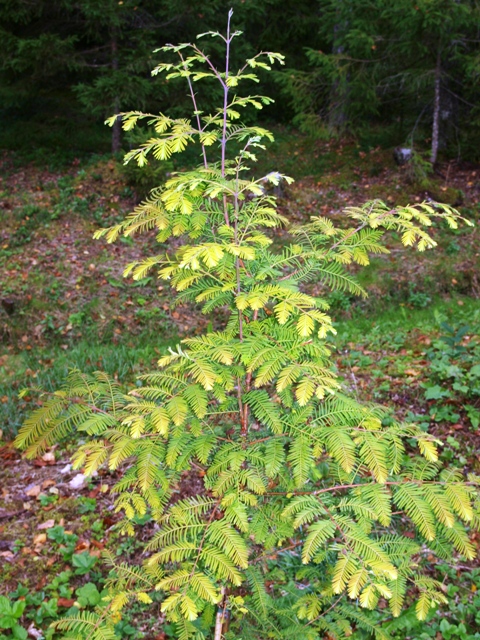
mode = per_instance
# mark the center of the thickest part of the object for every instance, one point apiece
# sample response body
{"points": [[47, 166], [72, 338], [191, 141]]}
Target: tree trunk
{"points": [[219, 620], [117, 130], [117, 126], [436, 110], [339, 92]]}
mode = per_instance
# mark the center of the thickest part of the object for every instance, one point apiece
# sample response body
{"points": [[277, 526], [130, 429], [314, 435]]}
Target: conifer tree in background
{"points": [[60, 57], [431, 63], [99, 49], [33, 52], [122, 36], [307, 501], [415, 61], [339, 90]]}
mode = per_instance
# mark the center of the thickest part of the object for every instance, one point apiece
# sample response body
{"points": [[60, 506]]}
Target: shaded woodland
{"points": [[402, 73]]}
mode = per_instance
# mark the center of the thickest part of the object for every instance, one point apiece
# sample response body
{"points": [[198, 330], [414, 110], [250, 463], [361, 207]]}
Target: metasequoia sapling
{"points": [[308, 501]]}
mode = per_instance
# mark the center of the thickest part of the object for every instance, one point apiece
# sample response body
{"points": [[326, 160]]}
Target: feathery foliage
{"points": [[291, 468]]}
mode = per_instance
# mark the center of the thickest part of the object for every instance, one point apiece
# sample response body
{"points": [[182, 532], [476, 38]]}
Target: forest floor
{"points": [[413, 344]]}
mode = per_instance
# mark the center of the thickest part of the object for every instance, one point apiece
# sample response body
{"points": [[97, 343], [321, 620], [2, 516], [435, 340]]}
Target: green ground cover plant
{"points": [[302, 502], [454, 385]]}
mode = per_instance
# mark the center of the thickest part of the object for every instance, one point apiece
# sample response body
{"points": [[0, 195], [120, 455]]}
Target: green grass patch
{"points": [[396, 321], [47, 368]]}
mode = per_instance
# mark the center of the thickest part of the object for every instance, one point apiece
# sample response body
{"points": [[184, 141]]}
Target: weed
{"points": [[86, 505], [45, 500], [453, 387], [10, 613], [418, 299], [83, 562]]}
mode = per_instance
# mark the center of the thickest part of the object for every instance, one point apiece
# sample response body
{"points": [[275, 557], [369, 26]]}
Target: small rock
{"points": [[66, 469], [9, 305], [34, 633], [402, 155], [77, 482]]}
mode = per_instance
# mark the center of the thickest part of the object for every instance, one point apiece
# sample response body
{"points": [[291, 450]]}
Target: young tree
{"points": [[293, 473]]}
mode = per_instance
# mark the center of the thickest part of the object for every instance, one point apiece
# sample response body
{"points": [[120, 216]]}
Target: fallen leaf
{"points": [[34, 491], [82, 545], [97, 544], [41, 538], [48, 524], [65, 602], [48, 457], [48, 483]]}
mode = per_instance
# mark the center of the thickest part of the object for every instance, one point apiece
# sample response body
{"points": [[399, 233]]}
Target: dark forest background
{"points": [[403, 72]]}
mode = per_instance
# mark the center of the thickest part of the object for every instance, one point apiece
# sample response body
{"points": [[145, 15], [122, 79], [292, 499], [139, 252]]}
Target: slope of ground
{"points": [[64, 303]]}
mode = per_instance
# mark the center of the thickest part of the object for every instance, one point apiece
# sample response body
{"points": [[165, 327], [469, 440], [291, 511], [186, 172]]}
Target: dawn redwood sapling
{"points": [[308, 500]]}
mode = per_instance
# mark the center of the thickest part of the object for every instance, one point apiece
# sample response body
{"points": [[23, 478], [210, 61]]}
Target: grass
{"points": [[400, 319], [47, 368]]}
